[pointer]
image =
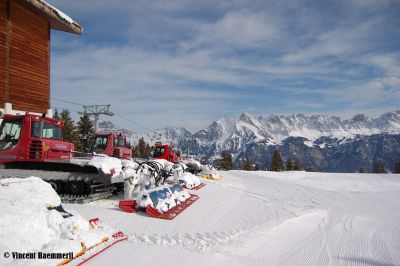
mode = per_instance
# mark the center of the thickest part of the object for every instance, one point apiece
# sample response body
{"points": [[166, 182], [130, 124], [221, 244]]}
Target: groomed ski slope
{"points": [[266, 218]]}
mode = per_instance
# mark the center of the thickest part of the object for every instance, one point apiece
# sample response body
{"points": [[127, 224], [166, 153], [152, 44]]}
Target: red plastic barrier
{"points": [[128, 205]]}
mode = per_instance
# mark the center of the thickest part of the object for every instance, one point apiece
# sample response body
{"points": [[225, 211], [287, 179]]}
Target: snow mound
{"points": [[34, 222], [109, 165], [210, 172], [189, 179]]}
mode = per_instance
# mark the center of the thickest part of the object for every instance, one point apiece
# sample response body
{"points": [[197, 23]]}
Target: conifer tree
{"points": [[378, 168], [147, 151], [397, 168], [310, 168], [297, 166], [256, 167], [289, 165], [86, 132], [277, 163], [140, 148], [246, 165], [56, 114], [361, 170], [70, 133], [226, 161]]}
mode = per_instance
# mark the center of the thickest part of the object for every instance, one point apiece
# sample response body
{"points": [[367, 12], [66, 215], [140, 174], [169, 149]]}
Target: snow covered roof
{"points": [[56, 18]]}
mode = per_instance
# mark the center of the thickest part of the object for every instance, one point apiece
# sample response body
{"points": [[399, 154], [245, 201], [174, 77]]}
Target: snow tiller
{"points": [[165, 202]]}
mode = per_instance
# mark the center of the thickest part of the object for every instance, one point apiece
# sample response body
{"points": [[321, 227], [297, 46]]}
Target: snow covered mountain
{"points": [[327, 143], [170, 135]]}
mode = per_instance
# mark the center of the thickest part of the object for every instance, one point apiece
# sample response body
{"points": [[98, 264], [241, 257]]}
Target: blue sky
{"points": [[187, 63]]}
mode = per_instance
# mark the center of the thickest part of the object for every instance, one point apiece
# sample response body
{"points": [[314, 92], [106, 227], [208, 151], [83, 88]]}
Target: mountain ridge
{"points": [[263, 134]]}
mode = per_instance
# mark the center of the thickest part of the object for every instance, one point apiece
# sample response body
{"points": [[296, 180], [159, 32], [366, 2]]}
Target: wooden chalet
{"points": [[25, 53]]}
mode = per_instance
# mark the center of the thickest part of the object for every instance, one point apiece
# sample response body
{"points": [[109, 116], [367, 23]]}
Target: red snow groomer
{"points": [[33, 145], [166, 152], [111, 144]]}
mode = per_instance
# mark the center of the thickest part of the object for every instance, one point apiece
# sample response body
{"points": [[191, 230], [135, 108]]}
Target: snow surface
{"points": [[109, 165], [266, 218], [28, 225], [189, 179]]}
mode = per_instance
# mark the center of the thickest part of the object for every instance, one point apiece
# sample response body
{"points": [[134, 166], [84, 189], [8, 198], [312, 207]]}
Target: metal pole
{"points": [[96, 123]]}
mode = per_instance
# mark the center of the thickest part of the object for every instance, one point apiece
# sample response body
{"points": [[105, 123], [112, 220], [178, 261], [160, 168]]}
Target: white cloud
{"points": [[239, 29], [200, 59], [390, 63]]}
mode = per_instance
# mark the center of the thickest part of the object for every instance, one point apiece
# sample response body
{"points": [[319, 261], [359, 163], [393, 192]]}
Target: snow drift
{"points": [[31, 222]]}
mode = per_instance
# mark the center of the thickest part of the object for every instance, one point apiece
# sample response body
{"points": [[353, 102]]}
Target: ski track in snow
{"points": [[265, 218]]}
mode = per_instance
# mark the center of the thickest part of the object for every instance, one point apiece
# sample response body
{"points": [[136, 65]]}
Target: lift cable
{"points": [[78, 104]]}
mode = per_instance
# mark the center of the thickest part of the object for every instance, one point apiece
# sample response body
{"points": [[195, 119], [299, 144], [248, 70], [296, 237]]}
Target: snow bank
{"points": [[109, 165], [178, 174], [191, 161], [210, 172], [29, 222], [189, 179]]}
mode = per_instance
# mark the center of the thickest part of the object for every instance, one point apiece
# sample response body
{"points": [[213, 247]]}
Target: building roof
{"points": [[56, 18]]}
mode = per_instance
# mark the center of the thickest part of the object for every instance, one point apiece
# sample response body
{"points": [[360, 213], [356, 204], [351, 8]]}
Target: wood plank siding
{"points": [[25, 78], [3, 37]]}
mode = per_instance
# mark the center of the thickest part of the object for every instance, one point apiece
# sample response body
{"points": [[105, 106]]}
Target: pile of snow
{"points": [[119, 169], [209, 172], [193, 165], [191, 161], [189, 179], [162, 198], [109, 165], [179, 174], [128, 172], [31, 224]]}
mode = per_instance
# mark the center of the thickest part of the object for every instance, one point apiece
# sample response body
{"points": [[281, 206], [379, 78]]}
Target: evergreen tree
{"points": [[277, 163], [361, 170], [297, 166], [140, 148], [256, 167], [70, 133], [397, 168], [226, 161], [310, 168], [56, 115], [289, 165], [86, 133], [378, 168], [246, 165], [147, 151]]}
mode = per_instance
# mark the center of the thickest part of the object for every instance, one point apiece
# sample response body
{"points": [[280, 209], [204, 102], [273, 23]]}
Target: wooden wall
{"points": [[28, 66], [3, 37]]}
